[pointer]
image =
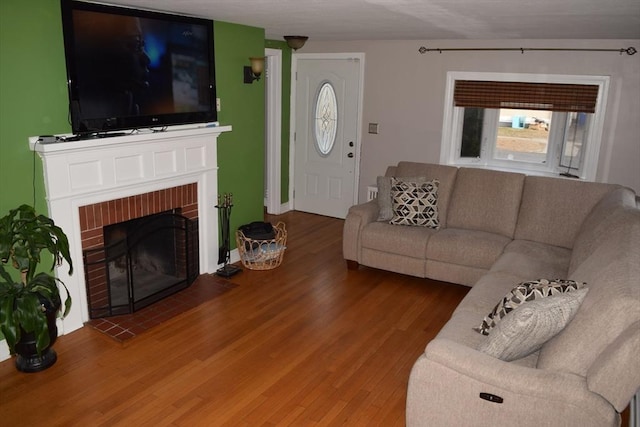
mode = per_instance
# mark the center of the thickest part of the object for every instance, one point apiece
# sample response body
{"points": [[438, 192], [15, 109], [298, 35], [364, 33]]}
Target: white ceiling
{"points": [[418, 19]]}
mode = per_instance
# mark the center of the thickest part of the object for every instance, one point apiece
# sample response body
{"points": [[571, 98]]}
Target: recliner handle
{"points": [[491, 397]]}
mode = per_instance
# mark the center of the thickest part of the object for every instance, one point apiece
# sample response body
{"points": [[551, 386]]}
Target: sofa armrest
{"points": [[447, 381], [616, 372], [357, 218]]}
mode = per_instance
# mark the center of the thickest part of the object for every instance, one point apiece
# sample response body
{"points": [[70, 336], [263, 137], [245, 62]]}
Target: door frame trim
{"points": [[273, 135], [292, 119]]}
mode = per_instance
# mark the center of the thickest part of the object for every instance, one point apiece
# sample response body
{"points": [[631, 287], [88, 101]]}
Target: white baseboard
{"points": [[284, 207], [234, 256]]}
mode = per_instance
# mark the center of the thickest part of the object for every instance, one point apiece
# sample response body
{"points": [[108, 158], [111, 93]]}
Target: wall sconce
{"points": [[254, 71], [296, 42]]}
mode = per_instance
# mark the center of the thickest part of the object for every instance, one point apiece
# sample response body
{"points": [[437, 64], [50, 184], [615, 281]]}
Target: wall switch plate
{"points": [[373, 128], [218, 105]]}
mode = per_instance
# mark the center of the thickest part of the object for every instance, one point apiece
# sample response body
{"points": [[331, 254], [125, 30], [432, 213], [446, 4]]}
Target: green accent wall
{"points": [[33, 101], [240, 152], [33, 95]]}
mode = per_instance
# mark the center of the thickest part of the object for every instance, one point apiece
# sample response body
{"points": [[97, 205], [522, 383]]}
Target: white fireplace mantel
{"points": [[79, 173]]}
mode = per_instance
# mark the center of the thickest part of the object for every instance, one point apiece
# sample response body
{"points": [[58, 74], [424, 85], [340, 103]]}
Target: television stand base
{"points": [[109, 135]]}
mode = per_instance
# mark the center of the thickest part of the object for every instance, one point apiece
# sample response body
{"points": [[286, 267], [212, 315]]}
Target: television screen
{"points": [[130, 69]]}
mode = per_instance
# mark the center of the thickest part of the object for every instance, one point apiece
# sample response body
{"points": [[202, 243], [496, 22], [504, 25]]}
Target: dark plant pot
{"points": [[27, 359]]}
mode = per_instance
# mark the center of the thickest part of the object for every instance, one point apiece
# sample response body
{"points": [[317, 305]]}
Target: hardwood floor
{"points": [[309, 343]]}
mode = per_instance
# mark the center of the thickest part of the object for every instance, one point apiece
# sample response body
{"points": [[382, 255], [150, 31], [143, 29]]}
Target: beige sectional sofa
{"points": [[496, 230]]}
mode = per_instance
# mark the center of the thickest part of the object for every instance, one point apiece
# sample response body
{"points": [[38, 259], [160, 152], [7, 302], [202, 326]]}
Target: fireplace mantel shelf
{"points": [[137, 137], [106, 168], [86, 172]]}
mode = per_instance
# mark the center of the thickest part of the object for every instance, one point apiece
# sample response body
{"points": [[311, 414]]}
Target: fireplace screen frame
{"points": [[106, 296]]}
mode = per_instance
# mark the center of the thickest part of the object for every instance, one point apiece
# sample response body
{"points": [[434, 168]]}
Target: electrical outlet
{"points": [[218, 104], [373, 128]]}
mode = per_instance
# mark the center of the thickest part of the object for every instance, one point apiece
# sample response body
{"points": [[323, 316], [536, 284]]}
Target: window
{"points": [[326, 119], [536, 124]]}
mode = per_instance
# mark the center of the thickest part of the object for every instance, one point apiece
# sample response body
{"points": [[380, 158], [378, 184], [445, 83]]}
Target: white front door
{"points": [[328, 97]]}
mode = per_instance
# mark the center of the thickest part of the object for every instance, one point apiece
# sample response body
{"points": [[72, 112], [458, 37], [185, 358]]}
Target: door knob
{"points": [[350, 155]]}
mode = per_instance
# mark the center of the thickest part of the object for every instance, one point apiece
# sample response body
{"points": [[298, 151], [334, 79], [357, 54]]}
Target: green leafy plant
{"points": [[23, 236]]}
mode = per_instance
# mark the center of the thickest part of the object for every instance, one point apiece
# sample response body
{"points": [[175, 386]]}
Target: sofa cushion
{"points": [[397, 239], [479, 301], [466, 247], [385, 206], [453, 273], [522, 293], [484, 294], [553, 209], [533, 259], [414, 203], [486, 200], [457, 329], [443, 173], [525, 329]]}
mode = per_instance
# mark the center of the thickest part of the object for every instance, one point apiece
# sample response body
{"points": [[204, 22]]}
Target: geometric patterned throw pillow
{"points": [[385, 208], [527, 328], [415, 203], [522, 293]]}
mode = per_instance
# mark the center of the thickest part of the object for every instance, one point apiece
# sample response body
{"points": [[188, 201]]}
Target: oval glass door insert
{"points": [[326, 119]]}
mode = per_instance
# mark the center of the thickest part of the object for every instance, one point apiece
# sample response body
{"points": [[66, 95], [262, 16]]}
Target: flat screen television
{"points": [[133, 69]]}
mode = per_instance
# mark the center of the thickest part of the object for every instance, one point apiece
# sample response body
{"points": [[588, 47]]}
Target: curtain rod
{"points": [[629, 51]]}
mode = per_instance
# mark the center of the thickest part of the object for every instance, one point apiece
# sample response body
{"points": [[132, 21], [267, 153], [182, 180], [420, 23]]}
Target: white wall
{"points": [[404, 93]]}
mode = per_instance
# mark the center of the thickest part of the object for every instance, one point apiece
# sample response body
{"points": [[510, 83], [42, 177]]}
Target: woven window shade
{"points": [[526, 96]]}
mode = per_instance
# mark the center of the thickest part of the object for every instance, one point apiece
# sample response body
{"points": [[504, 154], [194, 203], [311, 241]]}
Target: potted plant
{"points": [[28, 308]]}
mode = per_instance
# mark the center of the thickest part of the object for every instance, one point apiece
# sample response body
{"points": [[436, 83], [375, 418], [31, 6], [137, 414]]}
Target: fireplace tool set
{"points": [[225, 203]]}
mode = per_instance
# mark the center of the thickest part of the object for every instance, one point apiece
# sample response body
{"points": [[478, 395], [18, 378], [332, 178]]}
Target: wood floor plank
{"points": [[309, 343]]}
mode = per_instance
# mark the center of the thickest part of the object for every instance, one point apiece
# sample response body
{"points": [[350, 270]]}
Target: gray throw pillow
{"points": [[524, 330], [385, 209]]}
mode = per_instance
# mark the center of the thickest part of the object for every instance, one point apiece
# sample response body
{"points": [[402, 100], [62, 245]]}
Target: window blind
{"points": [[528, 96]]}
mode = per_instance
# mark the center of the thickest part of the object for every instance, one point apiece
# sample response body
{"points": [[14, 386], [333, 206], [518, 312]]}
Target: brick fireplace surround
{"points": [[94, 217], [95, 182]]}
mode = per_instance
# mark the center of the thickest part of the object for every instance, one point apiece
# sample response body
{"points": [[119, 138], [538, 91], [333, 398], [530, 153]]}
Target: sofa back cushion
{"points": [[553, 209], [598, 224], [446, 175], [486, 200], [612, 306]]}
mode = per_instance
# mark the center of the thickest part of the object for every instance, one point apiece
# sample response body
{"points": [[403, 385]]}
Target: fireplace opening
{"points": [[143, 260]]}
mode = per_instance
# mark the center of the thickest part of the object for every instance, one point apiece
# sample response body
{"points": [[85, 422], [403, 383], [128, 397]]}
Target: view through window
{"points": [[523, 135]]}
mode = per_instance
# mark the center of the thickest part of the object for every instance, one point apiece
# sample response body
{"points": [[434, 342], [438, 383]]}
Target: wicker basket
{"points": [[262, 254]]}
